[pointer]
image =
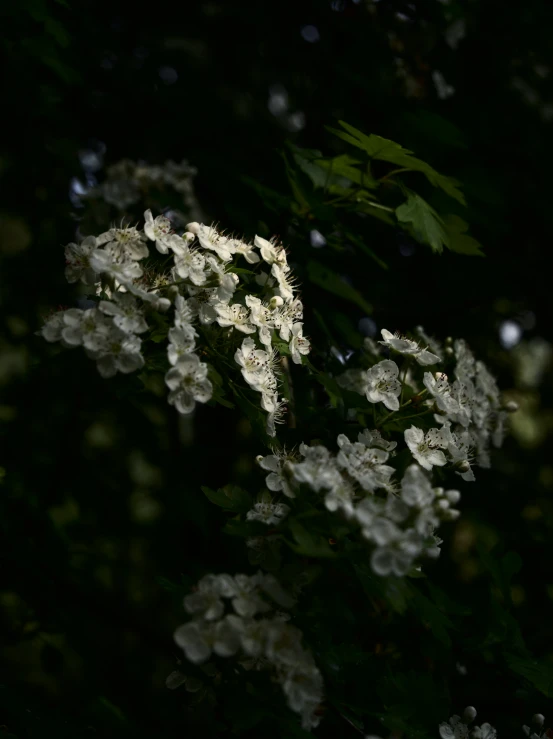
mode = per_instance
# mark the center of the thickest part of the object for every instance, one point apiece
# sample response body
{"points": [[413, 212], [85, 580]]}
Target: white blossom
{"points": [[118, 352], [235, 316], [245, 250], [189, 264], [267, 512], [188, 383], [271, 252], [77, 260], [158, 230], [383, 385], [262, 317], [127, 315], [407, 346], [210, 238], [276, 480], [298, 344], [181, 342], [284, 280], [123, 244], [426, 448], [104, 262]]}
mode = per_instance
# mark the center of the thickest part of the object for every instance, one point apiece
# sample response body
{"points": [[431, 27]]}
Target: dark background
{"points": [[100, 492]]}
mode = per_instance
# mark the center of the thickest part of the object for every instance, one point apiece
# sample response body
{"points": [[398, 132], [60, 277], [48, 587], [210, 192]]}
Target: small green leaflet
{"points": [[330, 281], [231, 497], [428, 227], [538, 672], [308, 544], [458, 240], [388, 151]]}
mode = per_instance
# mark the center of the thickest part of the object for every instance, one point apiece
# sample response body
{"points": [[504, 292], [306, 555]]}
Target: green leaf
{"points": [[538, 672], [331, 282], [346, 166], [308, 544], [274, 200], [385, 150], [427, 225], [458, 240], [332, 388], [361, 244], [231, 498]]}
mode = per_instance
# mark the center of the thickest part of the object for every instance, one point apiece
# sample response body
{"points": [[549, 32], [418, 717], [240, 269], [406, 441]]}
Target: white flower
{"points": [[124, 243], [235, 316], [374, 438], [199, 639], [454, 729], [89, 328], [364, 464], [340, 497], [119, 352], [466, 365], [181, 342], [486, 731], [276, 481], [438, 386], [268, 513], [77, 260], [53, 326], [276, 415], [406, 346], [286, 315], [317, 469], [126, 314], [284, 280], [425, 448], [160, 304], [206, 601], [211, 239], [188, 383], [387, 561], [303, 687], [184, 314], [227, 280], [190, 265], [252, 361], [271, 252], [158, 230], [245, 250], [262, 317], [244, 592], [416, 489], [102, 261], [383, 385], [298, 344]]}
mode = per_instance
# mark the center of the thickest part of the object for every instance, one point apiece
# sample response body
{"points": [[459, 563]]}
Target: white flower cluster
{"points": [[399, 521], [126, 182], [458, 727], [468, 410], [202, 285], [266, 642]]}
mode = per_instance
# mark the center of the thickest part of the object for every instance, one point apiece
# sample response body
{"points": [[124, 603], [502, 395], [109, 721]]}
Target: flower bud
{"points": [[454, 496], [464, 466], [469, 714], [275, 302], [259, 458], [193, 227], [511, 406], [538, 719], [448, 350], [440, 376], [188, 236]]}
